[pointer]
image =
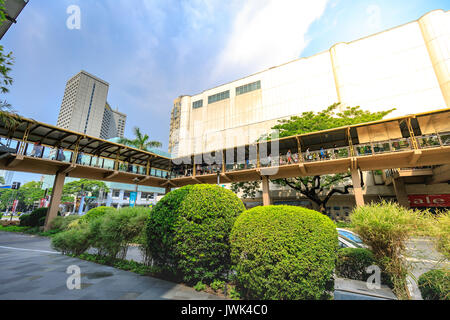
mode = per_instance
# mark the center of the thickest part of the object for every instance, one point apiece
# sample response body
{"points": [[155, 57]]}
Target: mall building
{"points": [[406, 67]]}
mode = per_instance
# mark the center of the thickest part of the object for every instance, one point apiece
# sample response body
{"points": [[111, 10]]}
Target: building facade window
{"points": [[248, 87], [195, 105], [219, 96]]}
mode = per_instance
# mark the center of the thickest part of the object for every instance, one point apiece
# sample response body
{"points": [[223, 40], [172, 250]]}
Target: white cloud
{"points": [[267, 33]]}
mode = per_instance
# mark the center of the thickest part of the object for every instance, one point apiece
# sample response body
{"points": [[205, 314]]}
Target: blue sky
{"points": [[150, 52]]}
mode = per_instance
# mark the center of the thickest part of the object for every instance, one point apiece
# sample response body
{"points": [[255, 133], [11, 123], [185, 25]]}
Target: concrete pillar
{"points": [[266, 191], [400, 192], [55, 201], [168, 189], [357, 189], [109, 199]]}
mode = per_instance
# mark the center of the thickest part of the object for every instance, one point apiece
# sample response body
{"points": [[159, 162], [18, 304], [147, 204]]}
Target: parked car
{"points": [[349, 239]]}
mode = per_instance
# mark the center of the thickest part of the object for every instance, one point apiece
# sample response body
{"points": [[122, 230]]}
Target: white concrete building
{"points": [[85, 108], [406, 67]]}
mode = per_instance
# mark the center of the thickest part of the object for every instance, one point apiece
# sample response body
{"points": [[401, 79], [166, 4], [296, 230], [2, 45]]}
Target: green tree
{"points": [[319, 189], [141, 141], [248, 189], [27, 195], [30, 193], [7, 114], [92, 188], [2, 180]]}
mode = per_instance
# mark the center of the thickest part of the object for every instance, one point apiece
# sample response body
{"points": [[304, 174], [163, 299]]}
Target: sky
{"points": [[151, 51]]}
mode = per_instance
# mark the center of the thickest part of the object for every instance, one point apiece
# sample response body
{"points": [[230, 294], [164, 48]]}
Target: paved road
{"points": [[30, 269], [422, 257]]}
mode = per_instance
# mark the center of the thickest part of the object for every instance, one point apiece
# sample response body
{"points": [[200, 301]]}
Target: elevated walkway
{"points": [[406, 142]]}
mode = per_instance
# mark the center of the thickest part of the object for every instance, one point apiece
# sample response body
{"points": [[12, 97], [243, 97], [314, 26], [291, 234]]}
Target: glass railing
{"points": [[445, 138], [366, 149], [326, 154], [428, 141], [250, 164]]}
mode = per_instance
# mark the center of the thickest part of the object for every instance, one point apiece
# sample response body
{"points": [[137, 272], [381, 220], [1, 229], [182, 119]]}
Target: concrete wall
{"points": [[407, 67]]}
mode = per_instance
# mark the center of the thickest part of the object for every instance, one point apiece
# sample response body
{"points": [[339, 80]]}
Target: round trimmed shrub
{"points": [[352, 263], [188, 231], [34, 219], [96, 213], [284, 253], [435, 285]]}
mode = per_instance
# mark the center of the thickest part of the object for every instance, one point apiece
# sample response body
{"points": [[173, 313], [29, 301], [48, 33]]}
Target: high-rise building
{"points": [[85, 108], [113, 124], [406, 67]]}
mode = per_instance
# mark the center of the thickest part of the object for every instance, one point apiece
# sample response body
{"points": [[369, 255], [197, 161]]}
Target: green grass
{"points": [[30, 230], [14, 228]]}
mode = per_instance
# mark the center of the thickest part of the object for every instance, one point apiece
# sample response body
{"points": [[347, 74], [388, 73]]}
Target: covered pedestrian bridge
{"points": [[404, 142]]}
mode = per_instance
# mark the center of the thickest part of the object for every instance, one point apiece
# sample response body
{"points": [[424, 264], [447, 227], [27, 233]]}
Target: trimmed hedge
{"points": [[96, 213], [284, 253], [352, 263], [110, 234], [435, 285], [188, 232], [62, 223], [35, 218], [72, 241]]}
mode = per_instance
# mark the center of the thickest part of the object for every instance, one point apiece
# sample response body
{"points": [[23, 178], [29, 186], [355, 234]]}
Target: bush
{"points": [[442, 226], [284, 253], [435, 285], [386, 227], [96, 213], [112, 233], [188, 232], [73, 241], [34, 219], [62, 223], [352, 263]]}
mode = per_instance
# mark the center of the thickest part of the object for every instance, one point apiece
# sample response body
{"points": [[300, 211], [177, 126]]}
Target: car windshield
{"points": [[350, 236]]}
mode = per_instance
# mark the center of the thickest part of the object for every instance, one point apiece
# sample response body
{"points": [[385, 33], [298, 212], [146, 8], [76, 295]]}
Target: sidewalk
{"points": [[31, 270]]}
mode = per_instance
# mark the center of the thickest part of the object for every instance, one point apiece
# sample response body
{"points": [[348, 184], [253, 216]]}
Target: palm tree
{"points": [[141, 141]]}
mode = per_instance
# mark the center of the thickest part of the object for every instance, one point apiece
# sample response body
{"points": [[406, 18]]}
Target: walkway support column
{"points": [[55, 200], [357, 189], [266, 191], [168, 189], [400, 192]]}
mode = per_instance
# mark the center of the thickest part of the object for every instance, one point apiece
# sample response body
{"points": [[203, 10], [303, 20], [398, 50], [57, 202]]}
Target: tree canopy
{"points": [[329, 118], [7, 113], [88, 187], [319, 189], [27, 195]]}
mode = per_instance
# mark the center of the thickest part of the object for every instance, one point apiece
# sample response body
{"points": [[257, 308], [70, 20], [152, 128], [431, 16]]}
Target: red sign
{"points": [[15, 205], [42, 203], [435, 200]]}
